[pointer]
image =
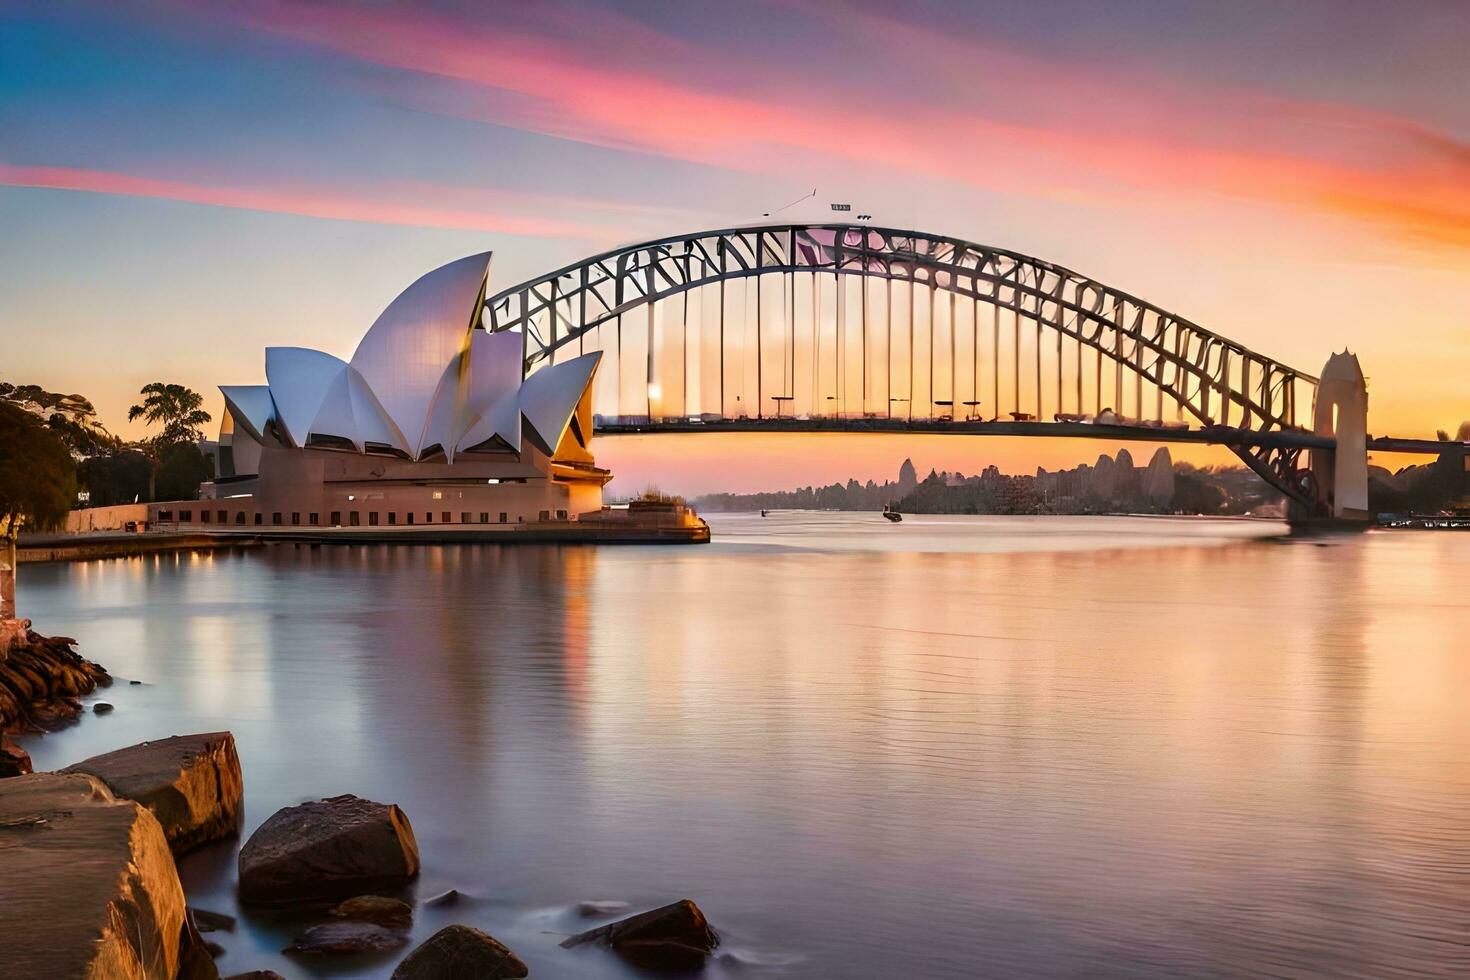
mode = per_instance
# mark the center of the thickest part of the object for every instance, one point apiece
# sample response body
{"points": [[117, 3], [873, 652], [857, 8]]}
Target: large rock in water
{"points": [[674, 937], [14, 760], [387, 912], [88, 883], [460, 953], [346, 937], [327, 850], [191, 783]]}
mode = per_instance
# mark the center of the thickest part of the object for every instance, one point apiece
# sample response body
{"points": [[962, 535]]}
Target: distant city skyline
{"points": [[184, 184]]}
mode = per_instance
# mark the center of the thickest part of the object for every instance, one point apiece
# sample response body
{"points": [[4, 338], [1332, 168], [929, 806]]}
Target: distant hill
{"points": [[71, 417]]}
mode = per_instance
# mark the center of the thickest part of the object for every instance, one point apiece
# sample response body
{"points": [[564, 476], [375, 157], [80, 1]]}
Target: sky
{"points": [[184, 184]]}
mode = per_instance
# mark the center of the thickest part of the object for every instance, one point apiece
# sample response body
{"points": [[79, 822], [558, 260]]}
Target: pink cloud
{"points": [[579, 85], [310, 203]]}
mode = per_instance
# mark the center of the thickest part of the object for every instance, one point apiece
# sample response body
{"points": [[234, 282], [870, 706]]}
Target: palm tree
{"points": [[176, 408]]}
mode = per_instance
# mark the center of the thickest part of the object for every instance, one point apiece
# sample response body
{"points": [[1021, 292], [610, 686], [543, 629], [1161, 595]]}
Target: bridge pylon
{"points": [[1340, 411]]}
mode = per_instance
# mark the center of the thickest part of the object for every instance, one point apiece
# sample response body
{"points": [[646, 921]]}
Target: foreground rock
{"points": [[328, 850], [388, 912], [196, 955], [207, 921], [191, 783], [88, 883], [675, 937], [42, 682], [460, 953], [346, 937], [14, 760]]}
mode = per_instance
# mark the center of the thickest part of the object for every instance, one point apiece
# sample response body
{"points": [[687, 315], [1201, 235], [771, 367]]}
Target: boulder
{"points": [[450, 897], [191, 783], [41, 681], [675, 937], [14, 760], [328, 850], [89, 883], [460, 953], [388, 912], [207, 921], [346, 937], [196, 956]]}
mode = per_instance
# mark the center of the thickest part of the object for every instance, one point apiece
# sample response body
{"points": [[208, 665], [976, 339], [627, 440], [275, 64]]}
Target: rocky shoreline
{"points": [[42, 682], [92, 887]]}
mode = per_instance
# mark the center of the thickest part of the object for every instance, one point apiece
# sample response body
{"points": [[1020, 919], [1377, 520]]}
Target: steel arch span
{"points": [[860, 328]]}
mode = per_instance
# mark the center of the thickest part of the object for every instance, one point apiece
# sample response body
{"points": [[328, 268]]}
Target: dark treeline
{"points": [[167, 466], [1109, 486]]}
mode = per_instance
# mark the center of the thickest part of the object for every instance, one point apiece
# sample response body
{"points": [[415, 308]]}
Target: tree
{"points": [[38, 484], [120, 478], [177, 409], [180, 471]]}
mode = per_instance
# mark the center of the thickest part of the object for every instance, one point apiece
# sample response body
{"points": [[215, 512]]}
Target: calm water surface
{"points": [[962, 747]]}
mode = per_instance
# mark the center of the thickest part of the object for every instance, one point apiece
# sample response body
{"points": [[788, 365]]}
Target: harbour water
{"points": [[951, 747]]}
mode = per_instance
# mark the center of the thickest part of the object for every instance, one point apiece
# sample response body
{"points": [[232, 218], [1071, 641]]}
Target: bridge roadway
{"points": [[1217, 435]]}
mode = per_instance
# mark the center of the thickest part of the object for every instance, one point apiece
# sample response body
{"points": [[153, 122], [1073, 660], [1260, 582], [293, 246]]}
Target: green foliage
{"points": [[181, 470], [174, 407], [117, 479], [37, 476], [653, 495], [80, 439]]}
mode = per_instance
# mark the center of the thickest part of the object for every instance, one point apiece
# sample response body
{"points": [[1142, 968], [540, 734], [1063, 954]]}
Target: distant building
{"points": [[429, 422], [908, 477]]}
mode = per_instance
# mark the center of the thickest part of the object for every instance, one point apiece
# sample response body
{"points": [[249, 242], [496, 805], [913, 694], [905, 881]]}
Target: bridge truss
{"points": [[859, 327]]}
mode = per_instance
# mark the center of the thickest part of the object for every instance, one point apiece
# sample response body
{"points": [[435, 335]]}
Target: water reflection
{"points": [[968, 747]]}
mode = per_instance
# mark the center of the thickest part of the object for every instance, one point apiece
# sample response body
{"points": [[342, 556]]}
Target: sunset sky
{"points": [[183, 184]]}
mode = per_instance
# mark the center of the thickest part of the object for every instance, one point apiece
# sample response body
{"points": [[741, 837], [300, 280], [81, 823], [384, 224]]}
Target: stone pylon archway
{"points": [[1341, 411]]}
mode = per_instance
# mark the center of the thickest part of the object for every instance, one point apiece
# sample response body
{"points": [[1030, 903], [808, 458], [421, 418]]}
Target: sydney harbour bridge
{"points": [[855, 328]]}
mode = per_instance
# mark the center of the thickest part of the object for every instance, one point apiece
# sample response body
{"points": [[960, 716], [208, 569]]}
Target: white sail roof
{"points": [[403, 356], [494, 373], [503, 420], [424, 376], [299, 381], [350, 411], [251, 406], [550, 396]]}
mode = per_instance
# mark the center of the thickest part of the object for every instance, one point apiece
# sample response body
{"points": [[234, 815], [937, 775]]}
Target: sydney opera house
{"points": [[428, 423]]}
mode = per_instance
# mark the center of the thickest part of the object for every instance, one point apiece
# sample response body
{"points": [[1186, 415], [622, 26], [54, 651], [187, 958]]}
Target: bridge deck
{"points": [[1214, 435]]}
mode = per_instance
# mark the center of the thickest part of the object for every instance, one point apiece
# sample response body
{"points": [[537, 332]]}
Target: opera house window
{"points": [[312, 518]]}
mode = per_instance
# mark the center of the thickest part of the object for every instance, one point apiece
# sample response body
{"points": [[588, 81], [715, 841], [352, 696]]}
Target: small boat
{"points": [[892, 514]]}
